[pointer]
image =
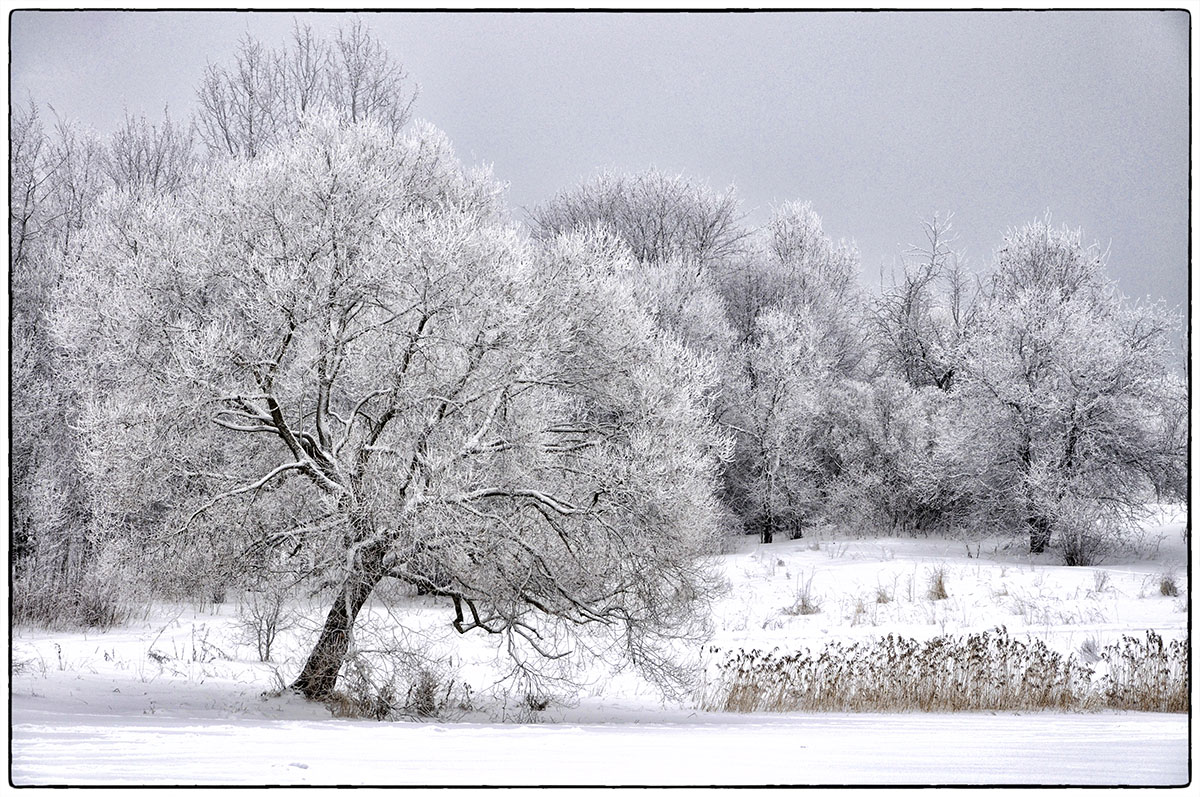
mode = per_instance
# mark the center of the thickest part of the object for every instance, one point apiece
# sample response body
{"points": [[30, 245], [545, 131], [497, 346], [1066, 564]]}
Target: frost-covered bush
{"points": [[97, 591]]}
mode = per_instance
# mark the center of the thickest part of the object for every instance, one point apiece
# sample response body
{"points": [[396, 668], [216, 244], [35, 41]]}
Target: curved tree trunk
{"points": [[319, 676]]}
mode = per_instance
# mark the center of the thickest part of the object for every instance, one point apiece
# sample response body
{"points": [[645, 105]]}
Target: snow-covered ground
{"points": [[792, 749], [178, 696]]}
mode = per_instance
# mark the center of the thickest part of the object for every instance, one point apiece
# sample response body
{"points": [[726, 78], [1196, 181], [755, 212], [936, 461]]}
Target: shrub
{"points": [[262, 615], [1086, 539], [55, 600], [1083, 548], [390, 685]]}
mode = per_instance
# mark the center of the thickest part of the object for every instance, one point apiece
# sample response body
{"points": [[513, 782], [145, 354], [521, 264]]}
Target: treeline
{"points": [[1030, 399], [294, 338]]}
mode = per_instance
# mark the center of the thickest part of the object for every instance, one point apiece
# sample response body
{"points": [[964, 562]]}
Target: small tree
{"points": [[57, 177], [923, 315], [794, 302]]}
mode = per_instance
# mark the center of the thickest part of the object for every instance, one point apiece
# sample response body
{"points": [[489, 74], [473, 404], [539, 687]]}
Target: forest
{"points": [[291, 345]]}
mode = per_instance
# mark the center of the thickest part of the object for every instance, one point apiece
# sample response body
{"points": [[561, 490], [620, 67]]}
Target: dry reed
{"points": [[989, 671]]}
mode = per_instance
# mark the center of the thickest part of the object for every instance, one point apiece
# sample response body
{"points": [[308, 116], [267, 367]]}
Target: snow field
{"points": [[177, 695], [795, 749], [872, 587]]}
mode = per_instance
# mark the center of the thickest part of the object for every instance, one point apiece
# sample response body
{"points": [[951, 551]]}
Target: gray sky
{"points": [[878, 119]]}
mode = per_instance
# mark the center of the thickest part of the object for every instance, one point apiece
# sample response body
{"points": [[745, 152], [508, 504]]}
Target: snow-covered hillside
{"points": [[177, 695]]}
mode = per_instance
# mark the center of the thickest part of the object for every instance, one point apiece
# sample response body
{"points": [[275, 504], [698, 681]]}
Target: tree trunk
{"points": [[1039, 534], [319, 676]]}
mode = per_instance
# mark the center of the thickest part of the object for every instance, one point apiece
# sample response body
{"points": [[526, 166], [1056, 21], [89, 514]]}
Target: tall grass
{"points": [[978, 672], [1147, 675]]}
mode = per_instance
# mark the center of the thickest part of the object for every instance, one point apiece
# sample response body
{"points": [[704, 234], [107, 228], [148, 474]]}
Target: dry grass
{"points": [[937, 585], [1147, 675], [979, 672], [806, 601]]}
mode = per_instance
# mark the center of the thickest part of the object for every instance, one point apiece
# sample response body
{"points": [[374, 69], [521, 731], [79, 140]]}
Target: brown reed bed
{"points": [[988, 671]]}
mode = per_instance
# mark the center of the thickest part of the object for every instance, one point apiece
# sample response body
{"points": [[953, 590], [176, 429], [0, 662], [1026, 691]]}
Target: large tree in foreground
{"points": [[341, 340]]}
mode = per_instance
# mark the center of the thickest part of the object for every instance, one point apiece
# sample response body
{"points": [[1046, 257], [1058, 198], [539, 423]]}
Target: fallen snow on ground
{"points": [[792, 749], [178, 696], [872, 587]]}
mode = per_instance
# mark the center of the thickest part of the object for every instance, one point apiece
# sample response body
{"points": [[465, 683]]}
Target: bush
{"points": [[262, 615], [990, 671], [1082, 547], [1085, 538], [395, 685], [55, 600]]}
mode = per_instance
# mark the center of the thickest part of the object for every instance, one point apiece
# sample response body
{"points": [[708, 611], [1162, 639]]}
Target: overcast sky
{"points": [[878, 119]]}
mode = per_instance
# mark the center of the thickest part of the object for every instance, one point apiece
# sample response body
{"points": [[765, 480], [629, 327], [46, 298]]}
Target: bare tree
{"points": [[365, 82], [659, 217], [923, 314], [261, 99], [144, 156]]}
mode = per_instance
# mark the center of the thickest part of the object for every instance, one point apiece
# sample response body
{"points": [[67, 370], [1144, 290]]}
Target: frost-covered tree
{"points": [[684, 237], [150, 157], [1063, 381], [790, 264], [338, 350], [893, 457], [56, 176], [795, 302], [1168, 468], [906, 472]]}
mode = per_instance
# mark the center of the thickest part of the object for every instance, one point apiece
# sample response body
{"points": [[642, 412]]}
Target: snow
{"points": [[792, 749], [175, 696]]}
